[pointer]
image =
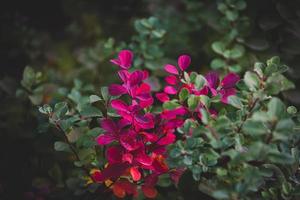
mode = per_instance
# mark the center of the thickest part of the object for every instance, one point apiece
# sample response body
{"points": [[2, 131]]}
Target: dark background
{"points": [[29, 28]]}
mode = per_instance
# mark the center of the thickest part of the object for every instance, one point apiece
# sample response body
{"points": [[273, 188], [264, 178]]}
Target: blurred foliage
{"points": [[251, 153], [68, 45]]}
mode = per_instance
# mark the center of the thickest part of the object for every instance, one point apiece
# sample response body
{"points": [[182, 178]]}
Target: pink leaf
{"points": [[113, 171], [163, 97], [108, 125], [167, 139], [230, 80], [116, 90], [184, 62], [170, 90], [127, 157], [119, 105], [171, 69], [124, 75], [129, 142], [124, 59], [135, 173], [114, 154], [212, 80], [144, 159], [136, 78], [225, 93], [172, 80], [105, 139]]}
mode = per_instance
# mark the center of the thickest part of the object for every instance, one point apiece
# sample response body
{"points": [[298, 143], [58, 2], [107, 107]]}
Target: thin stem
{"points": [[73, 149], [252, 106]]}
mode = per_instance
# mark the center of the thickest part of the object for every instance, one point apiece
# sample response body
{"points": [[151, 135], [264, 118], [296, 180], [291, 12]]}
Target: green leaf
{"points": [[286, 187], [252, 81], [218, 47], [94, 98], [183, 95], [241, 5], [220, 194], [199, 82], [28, 78], [193, 76], [231, 15], [236, 52], [205, 116], [278, 83], [235, 68], [209, 158], [187, 160], [255, 128], [175, 152], [159, 33], [45, 109], [274, 60], [281, 158], [60, 109], [193, 102], [276, 108], [259, 68], [217, 63], [170, 105], [65, 124], [205, 100], [235, 102], [186, 77], [196, 170], [62, 146], [104, 93], [292, 110], [90, 111], [272, 65]]}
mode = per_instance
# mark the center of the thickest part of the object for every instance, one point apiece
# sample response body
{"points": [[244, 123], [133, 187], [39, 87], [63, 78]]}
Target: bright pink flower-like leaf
{"points": [[149, 192], [135, 173], [213, 79], [136, 78], [225, 88], [170, 90], [127, 157], [114, 154], [167, 139], [172, 80], [151, 179], [145, 122], [171, 69], [129, 142], [119, 105], [113, 171], [225, 93], [115, 90], [124, 75], [105, 139], [176, 174], [144, 159], [230, 80], [163, 97], [124, 59], [184, 62], [172, 114], [108, 125]]}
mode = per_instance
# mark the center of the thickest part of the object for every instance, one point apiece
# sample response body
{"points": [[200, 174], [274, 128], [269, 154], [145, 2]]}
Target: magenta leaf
{"points": [[171, 69], [113, 171], [116, 90], [170, 90], [184, 62]]}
